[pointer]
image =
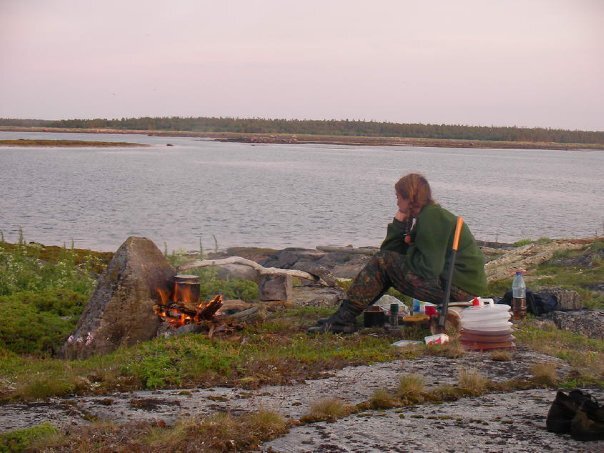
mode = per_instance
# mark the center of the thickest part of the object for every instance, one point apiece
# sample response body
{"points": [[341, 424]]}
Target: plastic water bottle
{"points": [[416, 306], [518, 297]]}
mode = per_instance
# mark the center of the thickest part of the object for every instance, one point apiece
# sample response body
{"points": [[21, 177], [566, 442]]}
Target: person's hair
{"points": [[414, 188]]}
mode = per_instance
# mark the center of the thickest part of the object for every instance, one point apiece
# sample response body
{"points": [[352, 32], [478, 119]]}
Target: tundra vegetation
{"points": [[43, 291], [322, 127], [326, 131]]}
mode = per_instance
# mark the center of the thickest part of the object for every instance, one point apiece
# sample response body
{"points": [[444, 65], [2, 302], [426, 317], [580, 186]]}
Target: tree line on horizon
{"points": [[321, 127]]}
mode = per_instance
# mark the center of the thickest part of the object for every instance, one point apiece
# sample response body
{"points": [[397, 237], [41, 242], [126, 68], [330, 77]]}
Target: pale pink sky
{"points": [[479, 62]]}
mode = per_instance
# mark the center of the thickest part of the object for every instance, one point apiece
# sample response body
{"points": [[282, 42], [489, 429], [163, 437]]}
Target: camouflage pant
{"points": [[387, 269]]}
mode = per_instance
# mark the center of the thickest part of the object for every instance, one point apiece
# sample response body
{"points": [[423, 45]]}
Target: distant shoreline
{"points": [[264, 138], [26, 143]]}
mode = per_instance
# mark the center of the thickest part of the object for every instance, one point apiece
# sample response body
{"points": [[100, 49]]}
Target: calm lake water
{"points": [[283, 195]]}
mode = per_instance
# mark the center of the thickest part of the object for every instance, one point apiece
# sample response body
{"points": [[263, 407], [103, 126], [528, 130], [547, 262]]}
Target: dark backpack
{"points": [[536, 303]]}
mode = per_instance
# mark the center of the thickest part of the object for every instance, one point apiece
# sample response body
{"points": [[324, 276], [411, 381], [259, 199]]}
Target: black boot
{"points": [[561, 413], [588, 423], [577, 413], [342, 321]]}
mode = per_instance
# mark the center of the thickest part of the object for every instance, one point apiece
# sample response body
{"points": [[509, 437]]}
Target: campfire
{"points": [[182, 306]]}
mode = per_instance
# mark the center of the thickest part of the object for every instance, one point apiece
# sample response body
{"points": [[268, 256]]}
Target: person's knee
{"points": [[390, 260]]}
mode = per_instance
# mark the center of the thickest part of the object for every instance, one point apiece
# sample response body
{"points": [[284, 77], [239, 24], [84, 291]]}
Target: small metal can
{"points": [[394, 314]]}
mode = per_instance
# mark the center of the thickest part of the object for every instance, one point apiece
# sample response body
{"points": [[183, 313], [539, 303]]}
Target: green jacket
{"points": [[429, 253]]}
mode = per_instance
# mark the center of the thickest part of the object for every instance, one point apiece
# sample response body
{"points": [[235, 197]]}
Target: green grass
{"points": [[522, 242], [275, 351], [567, 270], [43, 291], [585, 355], [21, 439]]}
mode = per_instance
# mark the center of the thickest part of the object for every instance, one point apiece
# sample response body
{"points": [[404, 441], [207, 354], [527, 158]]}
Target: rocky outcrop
{"points": [[568, 300], [587, 322], [120, 311], [526, 257], [340, 264]]}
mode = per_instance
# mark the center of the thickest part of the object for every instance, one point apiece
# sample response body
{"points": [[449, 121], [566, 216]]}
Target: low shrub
{"points": [[21, 439], [328, 409], [545, 373], [38, 323], [472, 382], [382, 399], [411, 389], [32, 268]]}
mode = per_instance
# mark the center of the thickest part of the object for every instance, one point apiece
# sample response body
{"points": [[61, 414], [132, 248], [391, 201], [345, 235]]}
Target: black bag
{"points": [[536, 303]]}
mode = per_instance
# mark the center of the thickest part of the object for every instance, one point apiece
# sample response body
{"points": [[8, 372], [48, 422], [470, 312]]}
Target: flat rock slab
{"points": [[497, 422], [352, 384]]}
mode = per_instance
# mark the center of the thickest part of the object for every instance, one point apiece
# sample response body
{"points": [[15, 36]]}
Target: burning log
{"points": [[180, 313], [211, 308]]}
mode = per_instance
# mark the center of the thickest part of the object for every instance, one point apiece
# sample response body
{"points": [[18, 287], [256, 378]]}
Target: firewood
{"points": [[260, 269], [211, 308], [245, 315]]}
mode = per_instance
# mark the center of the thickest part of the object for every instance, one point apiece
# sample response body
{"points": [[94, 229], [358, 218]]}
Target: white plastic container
{"points": [[486, 326]]}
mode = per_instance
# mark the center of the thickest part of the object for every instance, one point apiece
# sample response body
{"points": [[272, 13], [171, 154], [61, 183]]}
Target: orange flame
{"points": [[169, 310], [163, 296]]}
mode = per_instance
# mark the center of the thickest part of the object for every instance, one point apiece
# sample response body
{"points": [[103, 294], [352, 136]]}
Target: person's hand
{"points": [[400, 216]]}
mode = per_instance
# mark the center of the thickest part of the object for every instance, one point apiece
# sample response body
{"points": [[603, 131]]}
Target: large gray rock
{"points": [[120, 311], [340, 264], [275, 287], [587, 322], [567, 299], [287, 258]]}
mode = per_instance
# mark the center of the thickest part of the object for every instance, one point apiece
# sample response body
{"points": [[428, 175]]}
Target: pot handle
{"points": [[489, 301]]}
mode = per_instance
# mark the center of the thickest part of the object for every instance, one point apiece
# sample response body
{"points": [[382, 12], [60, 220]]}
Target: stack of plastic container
{"points": [[486, 326]]}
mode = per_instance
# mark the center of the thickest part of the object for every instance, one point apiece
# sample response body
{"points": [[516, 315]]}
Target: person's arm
{"points": [[395, 235]]}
